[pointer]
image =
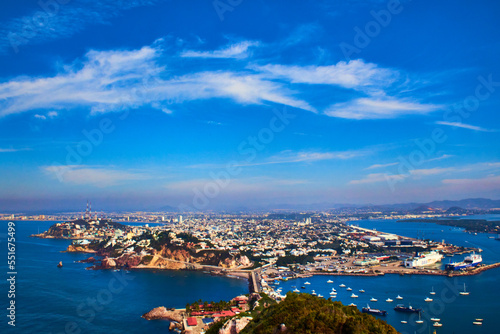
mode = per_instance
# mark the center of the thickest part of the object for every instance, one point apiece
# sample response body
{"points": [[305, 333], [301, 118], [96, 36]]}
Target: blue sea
{"points": [[456, 312], [74, 300]]}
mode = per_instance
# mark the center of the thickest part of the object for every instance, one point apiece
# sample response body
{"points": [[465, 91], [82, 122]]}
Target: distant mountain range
{"points": [[458, 206]]}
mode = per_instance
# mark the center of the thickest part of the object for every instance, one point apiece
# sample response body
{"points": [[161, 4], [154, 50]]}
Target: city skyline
{"points": [[151, 104]]}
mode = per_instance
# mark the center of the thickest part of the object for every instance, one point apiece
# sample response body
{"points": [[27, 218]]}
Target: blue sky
{"points": [[226, 104]]}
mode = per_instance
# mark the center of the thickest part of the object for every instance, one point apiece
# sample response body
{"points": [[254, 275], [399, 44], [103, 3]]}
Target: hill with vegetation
{"points": [[307, 314]]}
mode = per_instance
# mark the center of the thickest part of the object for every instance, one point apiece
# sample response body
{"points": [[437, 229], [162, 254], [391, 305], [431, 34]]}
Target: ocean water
{"points": [[74, 300], [456, 312]]}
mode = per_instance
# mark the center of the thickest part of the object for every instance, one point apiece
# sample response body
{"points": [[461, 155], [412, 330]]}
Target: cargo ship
{"points": [[469, 261], [423, 259]]}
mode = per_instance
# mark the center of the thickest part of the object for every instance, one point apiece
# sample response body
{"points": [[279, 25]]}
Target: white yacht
{"points": [[465, 292], [373, 299], [389, 300]]}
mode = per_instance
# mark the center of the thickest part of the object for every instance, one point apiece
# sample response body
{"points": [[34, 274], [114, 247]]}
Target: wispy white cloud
{"points": [[431, 171], [105, 81], [289, 157], [376, 166], [379, 108], [96, 176], [9, 150], [464, 126], [237, 50], [487, 183], [444, 156], [417, 174], [55, 20], [352, 74], [293, 157], [379, 177], [110, 80]]}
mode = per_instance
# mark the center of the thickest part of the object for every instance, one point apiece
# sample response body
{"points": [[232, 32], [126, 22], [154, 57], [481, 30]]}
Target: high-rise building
{"points": [[180, 219]]}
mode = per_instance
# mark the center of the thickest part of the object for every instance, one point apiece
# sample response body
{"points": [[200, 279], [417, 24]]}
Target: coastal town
{"points": [[263, 248]]}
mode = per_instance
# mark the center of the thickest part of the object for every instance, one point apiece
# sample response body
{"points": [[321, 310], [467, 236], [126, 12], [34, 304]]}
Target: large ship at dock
{"points": [[472, 260], [423, 259]]}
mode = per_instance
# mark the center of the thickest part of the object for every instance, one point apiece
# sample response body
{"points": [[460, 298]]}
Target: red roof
{"points": [[192, 321], [225, 314]]}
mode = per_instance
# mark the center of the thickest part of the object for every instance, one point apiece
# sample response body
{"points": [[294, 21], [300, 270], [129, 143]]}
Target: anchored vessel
{"points": [[409, 309], [367, 309], [469, 261]]}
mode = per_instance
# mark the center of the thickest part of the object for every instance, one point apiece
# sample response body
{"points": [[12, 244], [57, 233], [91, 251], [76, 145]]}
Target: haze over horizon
{"points": [[151, 103]]}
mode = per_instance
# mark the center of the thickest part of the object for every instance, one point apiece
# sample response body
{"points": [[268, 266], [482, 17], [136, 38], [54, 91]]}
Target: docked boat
{"points": [[332, 293], [349, 289], [373, 299], [302, 287], [423, 259], [307, 283], [435, 319], [399, 297], [409, 309], [313, 293], [419, 321], [432, 291], [404, 321], [369, 310], [469, 261], [352, 304], [320, 295], [480, 320], [428, 299], [296, 290], [477, 323], [354, 296], [389, 300], [465, 292], [329, 281], [437, 324]]}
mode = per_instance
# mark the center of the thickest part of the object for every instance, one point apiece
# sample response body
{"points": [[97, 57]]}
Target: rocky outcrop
{"points": [[128, 260], [174, 325], [89, 260], [79, 249], [108, 263], [162, 313], [228, 263]]}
